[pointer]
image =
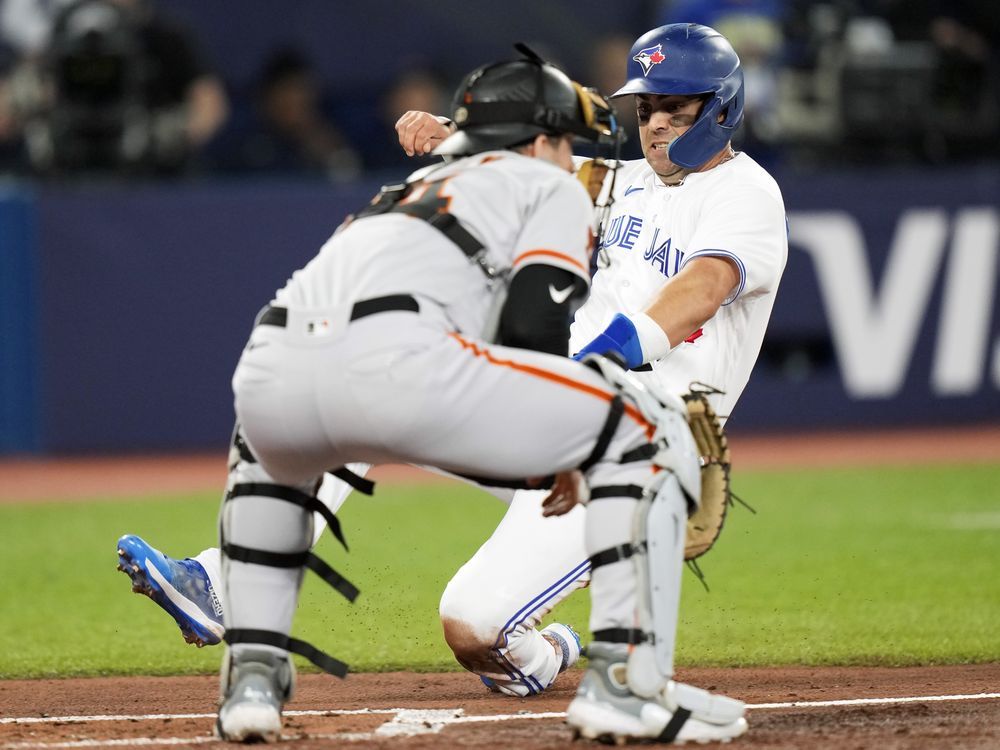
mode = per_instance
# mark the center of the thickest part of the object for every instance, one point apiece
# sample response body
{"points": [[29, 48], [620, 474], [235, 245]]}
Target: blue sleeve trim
{"points": [[733, 257]]}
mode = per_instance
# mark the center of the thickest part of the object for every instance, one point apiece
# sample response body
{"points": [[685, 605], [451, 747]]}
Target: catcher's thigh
{"points": [[492, 605]]}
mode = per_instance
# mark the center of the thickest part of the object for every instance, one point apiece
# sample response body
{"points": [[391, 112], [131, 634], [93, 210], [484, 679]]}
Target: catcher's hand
{"points": [[421, 132], [704, 527], [568, 489]]}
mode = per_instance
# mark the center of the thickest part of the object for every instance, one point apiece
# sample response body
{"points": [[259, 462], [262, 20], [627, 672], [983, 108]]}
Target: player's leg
{"points": [[264, 540], [491, 608], [635, 530], [266, 529]]}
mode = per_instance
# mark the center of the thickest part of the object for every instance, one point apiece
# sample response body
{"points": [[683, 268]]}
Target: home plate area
{"points": [[789, 708]]}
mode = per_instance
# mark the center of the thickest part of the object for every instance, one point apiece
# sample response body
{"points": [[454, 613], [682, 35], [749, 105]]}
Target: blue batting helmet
{"points": [[687, 58]]}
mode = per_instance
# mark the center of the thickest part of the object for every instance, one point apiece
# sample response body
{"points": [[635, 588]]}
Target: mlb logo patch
{"points": [[649, 57]]}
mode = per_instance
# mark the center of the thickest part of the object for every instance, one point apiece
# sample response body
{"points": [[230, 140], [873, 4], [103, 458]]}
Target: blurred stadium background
{"points": [[165, 165]]}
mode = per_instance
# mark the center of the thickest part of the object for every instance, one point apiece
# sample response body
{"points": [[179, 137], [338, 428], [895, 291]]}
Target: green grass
{"points": [[875, 566]]}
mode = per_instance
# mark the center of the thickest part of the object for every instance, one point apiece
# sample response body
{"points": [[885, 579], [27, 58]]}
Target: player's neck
{"points": [[720, 158], [677, 178]]}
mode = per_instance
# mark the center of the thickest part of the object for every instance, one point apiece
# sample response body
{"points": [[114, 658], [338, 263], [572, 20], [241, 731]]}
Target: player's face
{"points": [[661, 120]]}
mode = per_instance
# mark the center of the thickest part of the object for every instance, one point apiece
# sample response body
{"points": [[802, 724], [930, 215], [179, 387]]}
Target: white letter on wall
{"points": [[960, 359], [873, 333]]}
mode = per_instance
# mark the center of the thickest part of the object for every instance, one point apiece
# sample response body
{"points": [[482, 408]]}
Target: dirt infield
{"points": [[789, 710]]}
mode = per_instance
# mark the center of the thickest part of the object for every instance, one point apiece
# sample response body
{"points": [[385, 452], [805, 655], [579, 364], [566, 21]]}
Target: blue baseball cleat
{"points": [[181, 587]]}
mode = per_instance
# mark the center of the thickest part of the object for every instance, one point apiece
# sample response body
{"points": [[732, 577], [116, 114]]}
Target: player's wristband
{"points": [[652, 338], [633, 340]]}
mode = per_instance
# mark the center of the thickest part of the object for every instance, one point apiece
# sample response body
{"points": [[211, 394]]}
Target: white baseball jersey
{"points": [[515, 205], [735, 211]]}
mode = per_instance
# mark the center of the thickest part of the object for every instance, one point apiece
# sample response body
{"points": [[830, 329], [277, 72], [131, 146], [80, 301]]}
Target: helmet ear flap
{"points": [[702, 140]]}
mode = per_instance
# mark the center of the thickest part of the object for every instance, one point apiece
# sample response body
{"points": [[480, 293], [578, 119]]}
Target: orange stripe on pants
{"points": [[479, 351]]}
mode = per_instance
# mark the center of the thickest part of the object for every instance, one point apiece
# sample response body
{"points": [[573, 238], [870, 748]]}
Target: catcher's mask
{"points": [[687, 58], [506, 104]]}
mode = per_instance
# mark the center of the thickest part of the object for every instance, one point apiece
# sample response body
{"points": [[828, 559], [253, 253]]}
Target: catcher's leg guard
{"points": [[636, 547], [660, 523], [266, 534], [258, 522], [635, 533]]}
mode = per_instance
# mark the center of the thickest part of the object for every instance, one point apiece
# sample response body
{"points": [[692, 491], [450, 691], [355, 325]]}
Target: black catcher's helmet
{"points": [[509, 103]]}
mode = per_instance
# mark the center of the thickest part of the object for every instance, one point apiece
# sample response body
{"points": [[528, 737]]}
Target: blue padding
{"points": [[621, 338], [18, 322]]}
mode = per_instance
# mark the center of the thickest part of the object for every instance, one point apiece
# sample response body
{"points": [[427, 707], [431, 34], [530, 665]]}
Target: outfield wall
{"points": [[123, 308]]}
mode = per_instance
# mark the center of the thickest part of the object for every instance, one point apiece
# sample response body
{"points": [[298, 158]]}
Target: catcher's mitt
{"points": [[704, 527]]}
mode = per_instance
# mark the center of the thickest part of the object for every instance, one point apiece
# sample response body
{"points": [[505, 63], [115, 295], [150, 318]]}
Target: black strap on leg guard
{"points": [[615, 410], [290, 495], [642, 453], [289, 560], [294, 560], [616, 490], [358, 482], [271, 638], [614, 554], [631, 636], [678, 720]]}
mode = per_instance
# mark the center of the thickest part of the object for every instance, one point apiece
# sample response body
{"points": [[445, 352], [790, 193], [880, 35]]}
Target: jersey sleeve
{"points": [[747, 227], [557, 230]]}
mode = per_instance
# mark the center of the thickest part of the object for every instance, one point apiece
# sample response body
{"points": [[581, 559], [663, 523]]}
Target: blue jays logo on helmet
{"points": [[649, 57]]}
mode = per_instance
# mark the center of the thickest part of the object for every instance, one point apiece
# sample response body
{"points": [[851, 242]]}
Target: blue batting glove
{"points": [[620, 338]]}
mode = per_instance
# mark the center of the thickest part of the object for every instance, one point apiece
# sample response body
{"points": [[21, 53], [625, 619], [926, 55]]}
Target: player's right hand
{"points": [[421, 132]]}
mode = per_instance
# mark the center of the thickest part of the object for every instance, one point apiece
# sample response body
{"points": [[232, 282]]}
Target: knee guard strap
{"points": [[279, 640], [290, 495], [305, 558], [293, 560]]}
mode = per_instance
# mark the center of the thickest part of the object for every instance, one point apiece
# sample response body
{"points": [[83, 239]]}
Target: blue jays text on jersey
{"points": [[623, 231], [663, 256]]}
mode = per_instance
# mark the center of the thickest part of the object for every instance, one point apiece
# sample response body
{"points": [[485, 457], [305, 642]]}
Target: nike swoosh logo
{"points": [[560, 295], [629, 190]]}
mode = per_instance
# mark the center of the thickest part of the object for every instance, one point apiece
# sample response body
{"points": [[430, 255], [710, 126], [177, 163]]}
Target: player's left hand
{"points": [[421, 132], [568, 489]]}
